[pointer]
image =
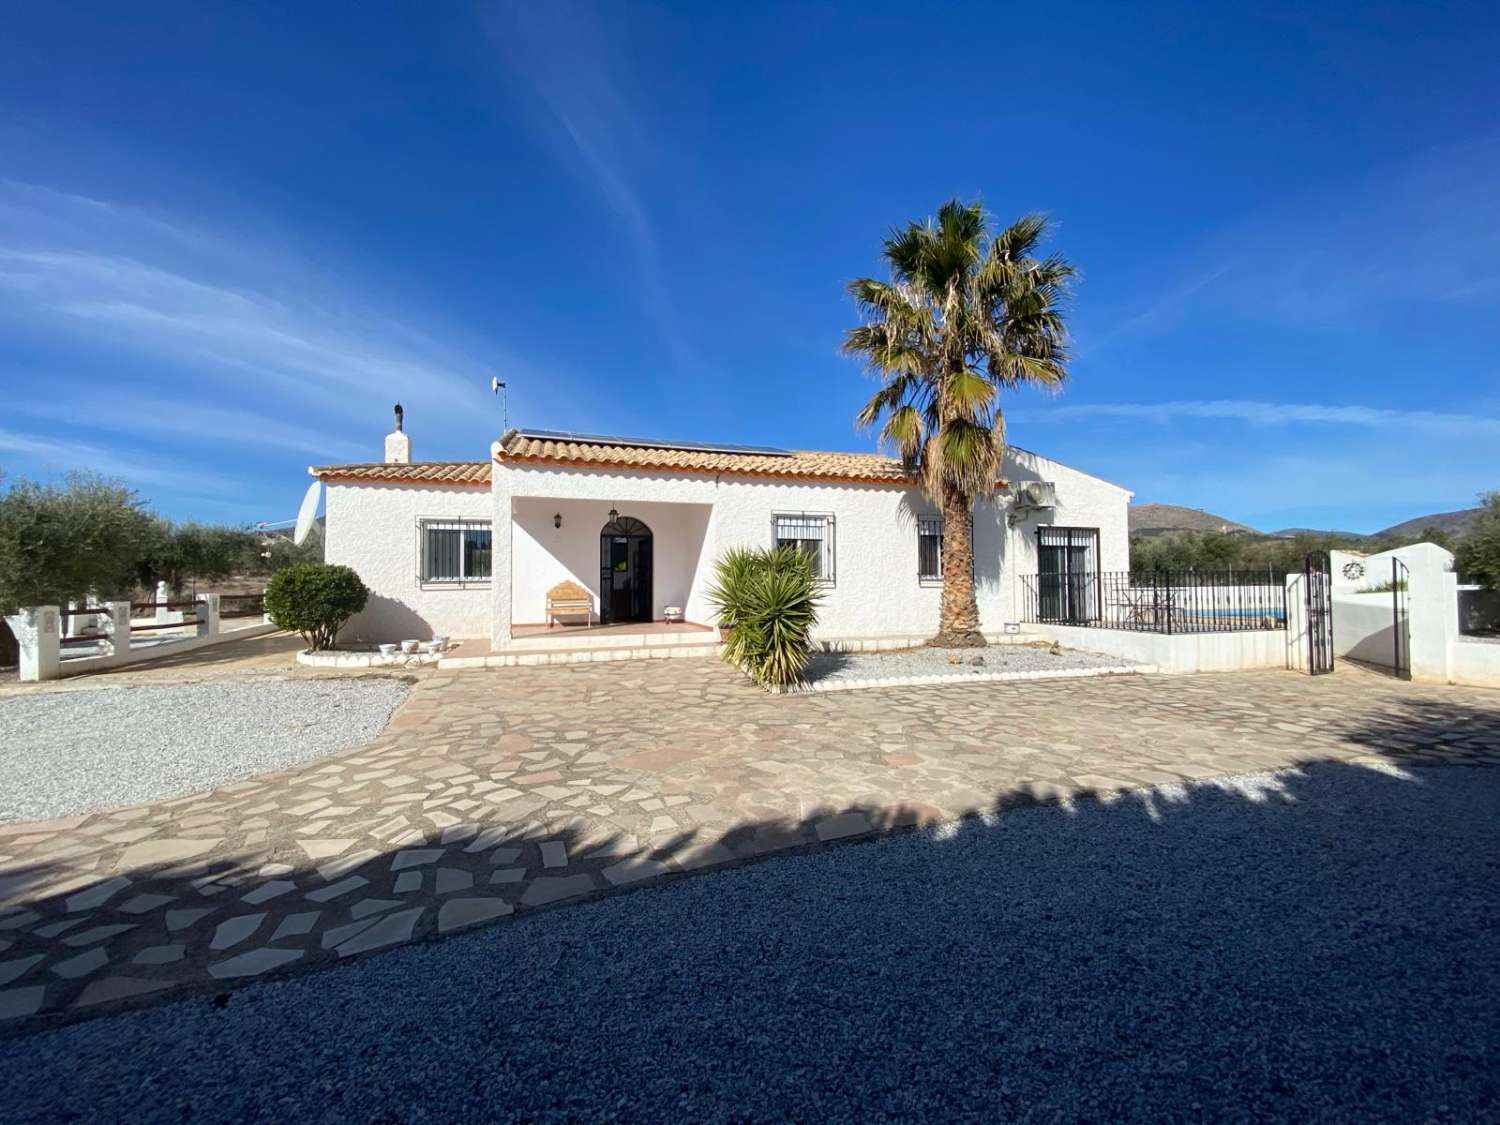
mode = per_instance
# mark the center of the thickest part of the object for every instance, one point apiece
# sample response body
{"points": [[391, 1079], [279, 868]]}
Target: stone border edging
{"points": [[933, 680]]}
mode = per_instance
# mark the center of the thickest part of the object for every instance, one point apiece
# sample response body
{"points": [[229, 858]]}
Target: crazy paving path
{"points": [[492, 793]]}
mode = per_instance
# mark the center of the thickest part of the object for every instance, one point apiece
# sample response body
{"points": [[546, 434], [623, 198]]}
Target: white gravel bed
{"points": [[71, 751], [827, 670]]}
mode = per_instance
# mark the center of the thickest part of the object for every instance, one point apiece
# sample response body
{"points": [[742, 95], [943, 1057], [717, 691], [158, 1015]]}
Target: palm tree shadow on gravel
{"points": [[1280, 946]]}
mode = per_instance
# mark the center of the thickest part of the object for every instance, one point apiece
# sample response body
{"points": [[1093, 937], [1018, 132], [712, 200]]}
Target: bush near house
{"points": [[767, 604], [315, 599]]}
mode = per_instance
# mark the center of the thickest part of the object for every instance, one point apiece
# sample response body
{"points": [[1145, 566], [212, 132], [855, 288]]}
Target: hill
{"points": [[1454, 523], [1154, 519]]}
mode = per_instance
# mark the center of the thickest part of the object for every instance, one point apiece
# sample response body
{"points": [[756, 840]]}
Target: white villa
{"points": [[470, 549]]}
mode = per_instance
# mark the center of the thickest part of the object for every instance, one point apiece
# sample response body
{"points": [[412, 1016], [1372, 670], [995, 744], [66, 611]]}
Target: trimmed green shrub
{"points": [[1478, 552], [767, 603], [315, 599]]}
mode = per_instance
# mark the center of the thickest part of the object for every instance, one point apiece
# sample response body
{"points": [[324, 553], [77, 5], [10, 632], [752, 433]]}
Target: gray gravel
{"points": [[853, 666], [1306, 947], [69, 751]]}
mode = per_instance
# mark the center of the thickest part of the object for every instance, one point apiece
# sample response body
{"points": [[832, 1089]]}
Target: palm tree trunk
{"points": [[958, 618]]}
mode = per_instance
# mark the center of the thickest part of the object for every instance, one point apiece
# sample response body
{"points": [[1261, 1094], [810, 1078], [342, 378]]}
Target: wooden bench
{"points": [[569, 598]]}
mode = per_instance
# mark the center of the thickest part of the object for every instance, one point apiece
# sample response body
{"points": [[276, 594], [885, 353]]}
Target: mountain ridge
{"points": [[1161, 519]]}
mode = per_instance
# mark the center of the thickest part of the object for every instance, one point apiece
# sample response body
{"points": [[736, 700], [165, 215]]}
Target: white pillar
{"points": [[500, 583], [117, 628], [500, 549], [208, 616], [1296, 622], [37, 630], [163, 594], [1432, 611]]}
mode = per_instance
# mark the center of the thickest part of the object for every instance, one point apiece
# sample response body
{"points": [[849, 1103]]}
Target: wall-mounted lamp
{"points": [[557, 520], [614, 514]]}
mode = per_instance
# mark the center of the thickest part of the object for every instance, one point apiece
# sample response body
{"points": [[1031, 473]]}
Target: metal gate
{"points": [[1318, 583], [1400, 620]]}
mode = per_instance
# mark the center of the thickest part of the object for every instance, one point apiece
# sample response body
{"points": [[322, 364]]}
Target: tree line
{"points": [[90, 536], [1476, 551]]}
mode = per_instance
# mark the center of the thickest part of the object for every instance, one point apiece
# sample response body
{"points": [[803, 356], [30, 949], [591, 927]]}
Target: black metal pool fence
{"points": [[1177, 601]]}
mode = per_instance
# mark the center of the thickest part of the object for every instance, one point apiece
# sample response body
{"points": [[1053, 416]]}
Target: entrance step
{"points": [[521, 657], [577, 638]]}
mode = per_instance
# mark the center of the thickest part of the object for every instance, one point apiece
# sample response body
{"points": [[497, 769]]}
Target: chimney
{"points": [[397, 444]]}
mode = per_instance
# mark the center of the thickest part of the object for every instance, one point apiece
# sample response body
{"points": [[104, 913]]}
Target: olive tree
{"points": [[66, 540]]}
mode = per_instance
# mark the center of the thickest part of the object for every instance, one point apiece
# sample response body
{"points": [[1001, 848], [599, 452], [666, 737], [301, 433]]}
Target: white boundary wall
{"points": [[1363, 623], [1476, 663], [1190, 652]]}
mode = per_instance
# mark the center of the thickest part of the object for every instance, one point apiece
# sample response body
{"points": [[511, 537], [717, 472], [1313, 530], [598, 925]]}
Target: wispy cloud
{"points": [[185, 422], [562, 59], [237, 320], [178, 478], [1272, 414]]}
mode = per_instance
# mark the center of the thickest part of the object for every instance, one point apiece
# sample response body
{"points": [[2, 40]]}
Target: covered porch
{"points": [[635, 560]]}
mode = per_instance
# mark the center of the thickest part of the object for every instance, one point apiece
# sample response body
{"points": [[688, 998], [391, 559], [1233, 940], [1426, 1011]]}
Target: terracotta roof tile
{"points": [[472, 473], [801, 464]]}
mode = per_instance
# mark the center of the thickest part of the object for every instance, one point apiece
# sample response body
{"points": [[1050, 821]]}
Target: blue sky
{"points": [[231, 236]]}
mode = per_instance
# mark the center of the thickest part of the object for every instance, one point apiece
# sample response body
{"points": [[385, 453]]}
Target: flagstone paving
{"points": [[494, 793]]}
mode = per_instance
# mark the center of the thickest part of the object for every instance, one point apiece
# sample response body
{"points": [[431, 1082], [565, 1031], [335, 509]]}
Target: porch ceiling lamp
{"points": [[557, 520]]}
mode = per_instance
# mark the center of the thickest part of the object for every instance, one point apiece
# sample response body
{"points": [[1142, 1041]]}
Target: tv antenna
{"points": [[498, 387]]}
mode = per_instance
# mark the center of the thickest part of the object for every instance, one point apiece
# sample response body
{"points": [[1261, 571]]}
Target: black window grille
{"points": [[456, 550], [812, 533], [929, 549]]}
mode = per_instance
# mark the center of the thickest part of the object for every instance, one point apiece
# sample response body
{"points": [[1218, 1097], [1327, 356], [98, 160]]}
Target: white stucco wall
{"points": [[543, 555], [694, 518], [373, 528], [1474, 662], [1193, 652]]}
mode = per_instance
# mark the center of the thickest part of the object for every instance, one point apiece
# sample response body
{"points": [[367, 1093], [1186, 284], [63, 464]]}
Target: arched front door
{"points": [[625, 570]]}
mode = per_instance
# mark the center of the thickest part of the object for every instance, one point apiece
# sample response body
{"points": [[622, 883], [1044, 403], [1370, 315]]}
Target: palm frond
{"points": [[963, 316]]}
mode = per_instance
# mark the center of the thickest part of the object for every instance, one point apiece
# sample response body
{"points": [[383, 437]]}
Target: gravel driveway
{"points": [[1300, 947], [69, 751]]}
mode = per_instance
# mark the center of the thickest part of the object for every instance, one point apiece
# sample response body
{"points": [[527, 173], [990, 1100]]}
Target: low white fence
{"points": [[40, 630]]}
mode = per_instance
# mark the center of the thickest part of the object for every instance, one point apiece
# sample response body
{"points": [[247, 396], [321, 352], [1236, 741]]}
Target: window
{"points": [[812, 533], [930, 549], [455, 550]]}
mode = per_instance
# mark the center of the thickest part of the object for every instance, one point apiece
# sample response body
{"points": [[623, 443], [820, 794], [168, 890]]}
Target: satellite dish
{"points": [[307, 515]]}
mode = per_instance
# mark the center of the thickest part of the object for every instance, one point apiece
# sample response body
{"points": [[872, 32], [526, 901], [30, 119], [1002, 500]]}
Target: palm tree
{"points": [[963, 317]]}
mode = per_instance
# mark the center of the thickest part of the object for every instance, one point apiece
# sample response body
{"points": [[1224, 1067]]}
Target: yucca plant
{"points": [[767, 605]]}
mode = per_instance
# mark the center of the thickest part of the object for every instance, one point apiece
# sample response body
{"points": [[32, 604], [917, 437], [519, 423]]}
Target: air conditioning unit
{"points": [[1034, 494]]}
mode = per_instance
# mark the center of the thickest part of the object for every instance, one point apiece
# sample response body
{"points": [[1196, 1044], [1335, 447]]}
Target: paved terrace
{"points": [[497, 793]]}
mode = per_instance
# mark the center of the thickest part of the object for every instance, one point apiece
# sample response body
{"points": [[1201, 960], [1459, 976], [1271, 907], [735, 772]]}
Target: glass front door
{"points": [[1067, 573], [625, 571]]}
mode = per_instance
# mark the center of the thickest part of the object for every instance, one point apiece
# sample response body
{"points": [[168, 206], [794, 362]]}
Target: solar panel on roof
{"points": [[647, 443]]}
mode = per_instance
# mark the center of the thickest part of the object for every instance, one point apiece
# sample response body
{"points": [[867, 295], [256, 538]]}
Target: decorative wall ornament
{"points": [[1354, 570]]}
